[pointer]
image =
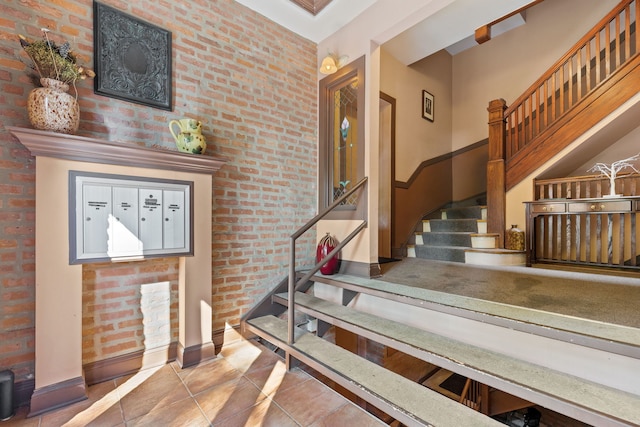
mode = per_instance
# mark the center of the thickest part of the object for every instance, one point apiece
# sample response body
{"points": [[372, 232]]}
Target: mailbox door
{"points": [[96, 200], [151, 218], [124, 223], [174, 219]]}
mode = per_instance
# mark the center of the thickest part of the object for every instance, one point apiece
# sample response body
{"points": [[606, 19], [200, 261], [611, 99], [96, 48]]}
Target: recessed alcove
{"points": [[59, 376]]}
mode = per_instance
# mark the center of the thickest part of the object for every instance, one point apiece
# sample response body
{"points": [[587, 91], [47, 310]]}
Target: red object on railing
{"points": [[325, 246]]}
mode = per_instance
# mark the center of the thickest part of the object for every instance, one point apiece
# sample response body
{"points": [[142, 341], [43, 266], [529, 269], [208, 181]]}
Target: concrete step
{"points": [[585, 400], [603, 337], [485, 240], [405, 400], [497, 257]]}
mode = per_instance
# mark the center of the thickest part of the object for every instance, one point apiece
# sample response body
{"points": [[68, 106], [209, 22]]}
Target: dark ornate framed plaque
{"points": [[132, 58]]}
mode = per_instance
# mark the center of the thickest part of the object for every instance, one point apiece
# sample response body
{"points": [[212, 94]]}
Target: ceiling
{"points": [[450, 24], [312, 6], [295, 15]]}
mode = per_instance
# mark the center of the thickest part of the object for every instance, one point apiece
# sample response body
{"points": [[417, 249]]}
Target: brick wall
{"points": [[128, 307], [251, 83]]}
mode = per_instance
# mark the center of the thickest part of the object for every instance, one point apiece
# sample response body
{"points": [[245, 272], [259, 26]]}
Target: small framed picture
{"points": [[427, 105]]}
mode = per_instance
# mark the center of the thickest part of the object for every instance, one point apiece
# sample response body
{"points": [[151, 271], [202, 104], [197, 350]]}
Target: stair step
{"points": [[503, 257], [441, 253], [590, 333], [403, 399], [597, 404], [478, 212], [470, 225], [447, 238], [484, 241]]}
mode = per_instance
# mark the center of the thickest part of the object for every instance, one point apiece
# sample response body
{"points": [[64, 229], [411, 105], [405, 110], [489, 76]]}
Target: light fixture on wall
{"points": [[331, 63]]}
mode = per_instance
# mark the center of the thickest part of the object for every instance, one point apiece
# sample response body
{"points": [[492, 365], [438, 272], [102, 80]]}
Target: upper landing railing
{"points": [[591, 61], [595, 77]]}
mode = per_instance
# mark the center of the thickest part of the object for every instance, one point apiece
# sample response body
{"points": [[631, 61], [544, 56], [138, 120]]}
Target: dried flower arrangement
{"points": [[54, 61]]}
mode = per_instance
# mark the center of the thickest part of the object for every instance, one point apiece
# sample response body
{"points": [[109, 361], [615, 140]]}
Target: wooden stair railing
{"points": [[571, 97], [588, 186]]}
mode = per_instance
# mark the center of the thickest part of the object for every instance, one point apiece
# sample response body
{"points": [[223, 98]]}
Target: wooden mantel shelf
{"points": [[92, 150]]}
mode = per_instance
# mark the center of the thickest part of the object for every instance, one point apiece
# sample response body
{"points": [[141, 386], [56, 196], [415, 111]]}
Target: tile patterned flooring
{"points": [[246, 385]]}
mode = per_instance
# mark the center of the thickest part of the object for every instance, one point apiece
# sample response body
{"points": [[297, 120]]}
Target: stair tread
{"points": [[497, 370], [444, 246], [462, 233], [577, 329], [497, 250], [425, 406]]}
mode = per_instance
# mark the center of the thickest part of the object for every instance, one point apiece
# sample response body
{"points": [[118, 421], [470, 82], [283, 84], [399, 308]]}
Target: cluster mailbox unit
{"points": [[116, 217]]}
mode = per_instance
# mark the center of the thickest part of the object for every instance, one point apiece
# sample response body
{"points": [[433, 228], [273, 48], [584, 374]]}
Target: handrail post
{"points": [[291, 291], [292, 259], [496, 188]]}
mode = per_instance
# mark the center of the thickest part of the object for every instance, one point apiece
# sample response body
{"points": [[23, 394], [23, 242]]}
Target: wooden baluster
{"points": [[637, 20], [569, 86], [579, 230], [587, 65], [516, 145], [562, 252], [554, 77], [559, 76], [538, 111], [597, 55], [530, 119], [607, 51], [617, 60], [627, 33], [621, 239], [609, 237], [632, 240], [587, 242], [547, 107], [579, 75], [571, 224], [598, 238]]}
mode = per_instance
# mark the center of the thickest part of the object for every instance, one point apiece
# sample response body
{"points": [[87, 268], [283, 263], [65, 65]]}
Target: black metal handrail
{"points": [[293, 284]]}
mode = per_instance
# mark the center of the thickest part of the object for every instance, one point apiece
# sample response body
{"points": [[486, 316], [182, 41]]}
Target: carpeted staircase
{"points": [[460, 235]]}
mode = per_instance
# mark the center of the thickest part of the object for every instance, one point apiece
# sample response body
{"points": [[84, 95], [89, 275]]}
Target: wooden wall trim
{"points": [[114, 367], [426, 163], [57, 395]]}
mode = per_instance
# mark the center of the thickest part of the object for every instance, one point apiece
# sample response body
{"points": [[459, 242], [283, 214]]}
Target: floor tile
{"points": [[246, 356], [349, 415], [228, 399], [185, 412], [265, 414], [206, 375], [275, 378], [247, 385], [150, 389], [20, 419], [308, 401], [101, 408]]}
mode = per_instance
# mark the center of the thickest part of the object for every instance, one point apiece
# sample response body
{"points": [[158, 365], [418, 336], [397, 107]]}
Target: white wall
{"points": [[380, 22], [418, 139]]}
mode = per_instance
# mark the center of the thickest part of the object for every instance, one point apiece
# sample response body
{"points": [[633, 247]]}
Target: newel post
{"points": [[496, 198]]}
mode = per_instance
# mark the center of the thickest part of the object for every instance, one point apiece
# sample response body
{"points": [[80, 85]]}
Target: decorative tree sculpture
{"points": [[611, 171]]}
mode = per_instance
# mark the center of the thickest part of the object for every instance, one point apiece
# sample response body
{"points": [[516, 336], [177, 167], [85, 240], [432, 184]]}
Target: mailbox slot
{"points": [[117, 217]]}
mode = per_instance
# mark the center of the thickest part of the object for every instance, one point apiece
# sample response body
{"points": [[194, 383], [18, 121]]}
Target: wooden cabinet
{"points": [[595, 231]]}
